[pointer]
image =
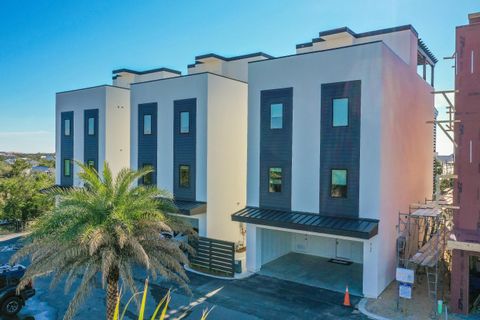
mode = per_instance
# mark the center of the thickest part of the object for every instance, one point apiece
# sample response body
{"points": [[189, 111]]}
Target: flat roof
{"points": [[303, 221], [94, 87], [146, 71], [244, 56], [185, 76]]}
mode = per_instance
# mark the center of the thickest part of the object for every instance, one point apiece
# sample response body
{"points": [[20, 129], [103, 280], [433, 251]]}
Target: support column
{"points": [[254, 248], [370, 268], [459, 282]]}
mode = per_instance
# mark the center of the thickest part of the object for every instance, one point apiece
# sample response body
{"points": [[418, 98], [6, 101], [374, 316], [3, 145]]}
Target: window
{"points": [[275, 180], [148, 178], [184, 176], [91, 126], [276, 116], [338, 187], [67, 127], [340, 112], [184, 122], [91, 164], [66, 167], [147, 124]]}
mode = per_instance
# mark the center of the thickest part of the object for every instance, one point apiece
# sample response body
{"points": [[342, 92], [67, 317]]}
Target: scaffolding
{"points": [[423, 231]]}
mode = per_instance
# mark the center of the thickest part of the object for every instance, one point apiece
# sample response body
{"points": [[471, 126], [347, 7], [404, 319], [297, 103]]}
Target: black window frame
{"points": [[271, 117], [148, 176], [188, 123], [65, 166], [180, 184], [91, 163], [270, 178], [346, 183], [65, 121], [93, 126], [333, 112], [151, 124]]}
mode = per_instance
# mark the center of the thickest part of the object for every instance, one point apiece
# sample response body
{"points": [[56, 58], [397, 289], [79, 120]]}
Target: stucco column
{"points": [[254, 245], [370, 268]]}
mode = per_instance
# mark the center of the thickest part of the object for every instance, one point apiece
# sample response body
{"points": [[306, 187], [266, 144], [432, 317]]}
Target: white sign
{"points": [[405, 290], [405, 275]]}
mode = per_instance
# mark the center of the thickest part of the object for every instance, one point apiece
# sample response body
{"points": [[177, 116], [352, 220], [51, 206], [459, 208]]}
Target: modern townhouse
{"points": [[92, 126], [337, 145], [192, 130]]}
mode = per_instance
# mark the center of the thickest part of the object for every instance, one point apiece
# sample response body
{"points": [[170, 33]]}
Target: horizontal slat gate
{"points": [[213, 256]]}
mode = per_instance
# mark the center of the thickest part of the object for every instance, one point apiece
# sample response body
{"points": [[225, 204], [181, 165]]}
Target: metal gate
{"points": [[214, 256]]}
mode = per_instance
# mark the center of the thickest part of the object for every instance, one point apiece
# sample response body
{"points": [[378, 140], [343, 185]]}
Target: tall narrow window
{"points": [[91, 164], [338, 187], [91, 126], [276, 116], [184, 176], [148, 178], [67, 127], [184, 122], [67, 167], [472, 58], [147, 124], [275, 180], [340, 112]]}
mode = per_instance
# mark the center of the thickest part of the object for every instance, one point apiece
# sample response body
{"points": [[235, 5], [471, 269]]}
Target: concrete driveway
{"points": [[256, 297]]}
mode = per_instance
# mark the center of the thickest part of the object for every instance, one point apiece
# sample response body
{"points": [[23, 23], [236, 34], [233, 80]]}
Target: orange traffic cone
{"points": [[346, 299]]}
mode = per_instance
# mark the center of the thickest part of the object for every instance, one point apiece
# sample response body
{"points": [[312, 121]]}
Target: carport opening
{"points": [[313, 260]]}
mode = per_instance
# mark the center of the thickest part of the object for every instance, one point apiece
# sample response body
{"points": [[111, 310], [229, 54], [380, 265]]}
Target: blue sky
{"points": [[51, 46]]}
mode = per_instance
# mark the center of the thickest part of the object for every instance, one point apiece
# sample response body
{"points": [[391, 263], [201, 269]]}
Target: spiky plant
{"points": [[107, 227]]}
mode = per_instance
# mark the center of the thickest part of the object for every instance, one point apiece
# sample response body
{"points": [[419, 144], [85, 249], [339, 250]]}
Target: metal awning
{"points": [[340, 226], [190, 208]]}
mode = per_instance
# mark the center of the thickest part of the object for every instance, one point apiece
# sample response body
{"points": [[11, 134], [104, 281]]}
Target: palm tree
{"points": [[107, 227]]}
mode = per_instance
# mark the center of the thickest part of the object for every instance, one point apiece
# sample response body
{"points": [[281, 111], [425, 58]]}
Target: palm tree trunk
{"points": [[112, 292]]}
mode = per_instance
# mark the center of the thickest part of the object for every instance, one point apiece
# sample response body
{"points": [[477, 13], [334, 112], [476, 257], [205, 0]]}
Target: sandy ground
{"points": [[421, 306]]}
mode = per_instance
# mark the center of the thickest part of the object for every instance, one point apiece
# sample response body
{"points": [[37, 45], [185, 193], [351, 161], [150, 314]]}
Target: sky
{"points": [[52, 46]]}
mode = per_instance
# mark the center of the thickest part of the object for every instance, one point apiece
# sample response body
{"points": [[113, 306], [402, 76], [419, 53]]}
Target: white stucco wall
{"points": [[164, 93], [117, 129], [406, 153], [235, 69], [403, 43], [226, 156], [306, 73], [78, 101]]}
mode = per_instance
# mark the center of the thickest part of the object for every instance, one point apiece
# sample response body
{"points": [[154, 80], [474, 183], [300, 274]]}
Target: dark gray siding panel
{"points": [[184, 148], [66, 148], [340, 148], [90, 148], [276, 148], [147, 144]]}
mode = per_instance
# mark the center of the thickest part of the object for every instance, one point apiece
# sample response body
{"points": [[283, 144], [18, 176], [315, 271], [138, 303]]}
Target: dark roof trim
{"points": [[187, 75], [190, 208], [146, 71], [339, 226], [427, 51], [94, 87], [335, 31], [245, 56], [357, 35], [313, 52]]}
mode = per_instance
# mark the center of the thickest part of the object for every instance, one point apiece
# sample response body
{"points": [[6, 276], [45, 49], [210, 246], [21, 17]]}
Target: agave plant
{"points": [[161, 316], [107, 227]]}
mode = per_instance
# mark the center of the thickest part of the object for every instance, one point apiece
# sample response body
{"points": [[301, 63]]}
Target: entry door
{"points": [[343, 249]]}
